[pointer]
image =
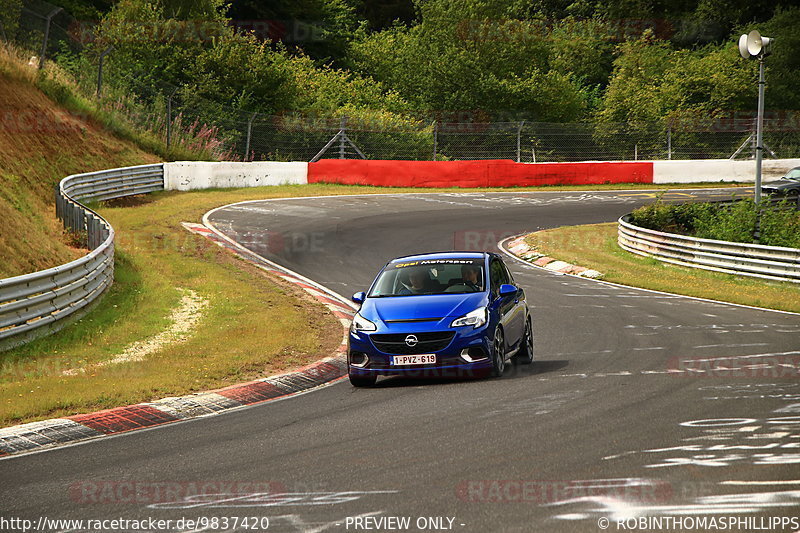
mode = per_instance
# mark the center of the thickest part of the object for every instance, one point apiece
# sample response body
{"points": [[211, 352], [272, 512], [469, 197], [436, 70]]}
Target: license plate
{"points": [[423, 359]]}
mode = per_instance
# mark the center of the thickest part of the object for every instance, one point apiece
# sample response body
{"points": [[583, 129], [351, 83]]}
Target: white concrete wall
{"points": [[190, 175], [719, 170]]}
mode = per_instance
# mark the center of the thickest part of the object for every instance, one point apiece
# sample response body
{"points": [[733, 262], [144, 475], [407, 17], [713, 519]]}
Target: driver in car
{"points": [[417, 283]]}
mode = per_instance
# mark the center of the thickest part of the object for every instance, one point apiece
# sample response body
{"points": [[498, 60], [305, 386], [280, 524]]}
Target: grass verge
{"points": [[595, 246]]}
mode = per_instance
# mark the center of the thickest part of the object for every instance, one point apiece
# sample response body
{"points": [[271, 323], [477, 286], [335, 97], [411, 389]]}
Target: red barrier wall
{"points": [[483, 173]]}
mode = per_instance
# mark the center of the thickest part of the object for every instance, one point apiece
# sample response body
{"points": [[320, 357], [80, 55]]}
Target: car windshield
{"points": [[794, 174], [439, 276]]}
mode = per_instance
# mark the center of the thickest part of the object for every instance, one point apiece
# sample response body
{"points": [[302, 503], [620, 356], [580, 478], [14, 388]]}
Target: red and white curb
{"points": [[523, 250], [55, 432]]}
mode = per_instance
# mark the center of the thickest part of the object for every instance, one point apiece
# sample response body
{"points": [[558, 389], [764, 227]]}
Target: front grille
{"points": [[395, 343], [414, 320]]}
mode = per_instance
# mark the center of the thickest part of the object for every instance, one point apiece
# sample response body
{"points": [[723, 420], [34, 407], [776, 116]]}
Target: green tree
{"points": [[651, 82], [320, 29], [783, 66], [153, 47], [583, 47], [9, 17], [238, 73], [469, 55]]}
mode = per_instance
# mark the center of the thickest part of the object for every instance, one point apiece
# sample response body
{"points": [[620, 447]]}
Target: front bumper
{"points": [[778, 192], [467, 355]]}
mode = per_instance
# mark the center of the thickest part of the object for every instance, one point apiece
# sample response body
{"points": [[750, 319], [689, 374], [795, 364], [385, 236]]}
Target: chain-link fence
{"points": [[180, 120]]}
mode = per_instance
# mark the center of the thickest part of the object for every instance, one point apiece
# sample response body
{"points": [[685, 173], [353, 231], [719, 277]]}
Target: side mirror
{"points": [[359, 297], [507, 290]]}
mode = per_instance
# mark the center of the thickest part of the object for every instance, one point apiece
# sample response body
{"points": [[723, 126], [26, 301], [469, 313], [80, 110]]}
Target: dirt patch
{"points": [[183, 318], [129, 201]]}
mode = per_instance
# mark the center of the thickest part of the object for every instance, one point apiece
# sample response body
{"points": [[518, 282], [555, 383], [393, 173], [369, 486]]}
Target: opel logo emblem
{"points": [[411, 341]]}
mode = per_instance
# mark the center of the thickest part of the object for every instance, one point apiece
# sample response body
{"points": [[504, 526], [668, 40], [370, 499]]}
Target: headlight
{"points": [[475, 318], [361, 324]]}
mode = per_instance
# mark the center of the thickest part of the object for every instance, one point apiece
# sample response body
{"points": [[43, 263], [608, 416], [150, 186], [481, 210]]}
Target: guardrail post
{"points": [[58, 201], [90, 231]]}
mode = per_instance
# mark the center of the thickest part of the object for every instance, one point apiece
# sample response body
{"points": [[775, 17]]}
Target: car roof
{"points": [[440, 255]]}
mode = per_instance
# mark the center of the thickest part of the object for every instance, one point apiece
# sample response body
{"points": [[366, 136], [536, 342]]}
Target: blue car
{"points": [[454, 314]]}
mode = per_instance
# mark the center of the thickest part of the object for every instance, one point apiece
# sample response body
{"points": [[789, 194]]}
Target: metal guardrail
{"points": [[43, 299], [769, 262]]}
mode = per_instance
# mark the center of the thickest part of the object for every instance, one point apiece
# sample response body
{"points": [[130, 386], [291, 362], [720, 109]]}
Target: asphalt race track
{"points": [[607, 424]]}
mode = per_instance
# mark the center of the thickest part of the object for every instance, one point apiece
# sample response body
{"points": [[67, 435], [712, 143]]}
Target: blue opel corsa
{"points": [[454, 314]]}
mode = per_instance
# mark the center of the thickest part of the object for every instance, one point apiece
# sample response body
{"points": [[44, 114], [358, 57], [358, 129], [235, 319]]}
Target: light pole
{"points": [[753, 46]]}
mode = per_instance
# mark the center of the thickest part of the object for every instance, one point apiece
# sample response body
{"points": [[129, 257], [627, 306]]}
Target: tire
{"points": [[525, 353], [498, 353], [360, 380]]}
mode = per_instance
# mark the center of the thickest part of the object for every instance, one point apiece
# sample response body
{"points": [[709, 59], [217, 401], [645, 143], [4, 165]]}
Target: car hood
{"points": [[782, 184], [421, 307]]}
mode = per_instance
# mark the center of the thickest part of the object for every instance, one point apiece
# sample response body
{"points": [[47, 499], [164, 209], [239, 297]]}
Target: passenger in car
{"points": [[470, 275]]}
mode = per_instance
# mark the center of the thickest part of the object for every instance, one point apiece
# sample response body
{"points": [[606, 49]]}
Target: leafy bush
{"points": [[780, 226], [682, 218], [734, 222]]}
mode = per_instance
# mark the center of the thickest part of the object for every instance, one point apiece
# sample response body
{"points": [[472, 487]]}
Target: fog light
{"points": [[359, 359], [473, 354]]}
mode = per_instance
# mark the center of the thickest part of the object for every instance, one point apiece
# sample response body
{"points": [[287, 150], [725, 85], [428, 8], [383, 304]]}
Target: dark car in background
{"points": [[787, 187]]}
